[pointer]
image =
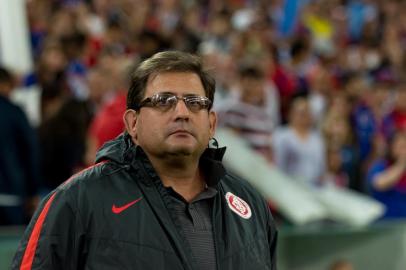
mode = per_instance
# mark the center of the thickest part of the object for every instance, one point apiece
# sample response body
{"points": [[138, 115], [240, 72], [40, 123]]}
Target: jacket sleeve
{"points": [[54, 238], [272, 239]]}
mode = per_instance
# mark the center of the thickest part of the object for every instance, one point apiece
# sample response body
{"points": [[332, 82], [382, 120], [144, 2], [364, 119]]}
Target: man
{"points": [[19, 174], [253, 110], [159, 198], [299, 150]]}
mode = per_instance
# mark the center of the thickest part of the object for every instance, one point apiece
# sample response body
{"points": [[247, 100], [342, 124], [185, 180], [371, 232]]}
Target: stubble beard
{"points": [[182, 156]]}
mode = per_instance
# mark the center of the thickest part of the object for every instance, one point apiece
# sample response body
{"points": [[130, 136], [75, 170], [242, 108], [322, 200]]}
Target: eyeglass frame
{"points": [[149, 102]]}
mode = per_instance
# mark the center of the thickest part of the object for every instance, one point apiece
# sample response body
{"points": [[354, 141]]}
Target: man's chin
{"points": [[180, 151], [183, 150]]}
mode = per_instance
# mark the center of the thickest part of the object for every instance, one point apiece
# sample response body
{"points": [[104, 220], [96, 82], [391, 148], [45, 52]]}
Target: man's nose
{"points": [[181, 110]]}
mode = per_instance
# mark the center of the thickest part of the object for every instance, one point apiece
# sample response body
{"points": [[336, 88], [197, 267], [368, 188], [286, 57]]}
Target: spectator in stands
{"points": [[317, 20], [218, 36], [108, 121], [62, 135], [387, 178], [320, 88], [253, 111], [301, 63], [298, 149], [335, 175], [338, 135], [19, 175], [396, 118], [284, 80], [74, 47], [368, 116], [50, 65], [99, 87], [225, 75], [50, 76]]}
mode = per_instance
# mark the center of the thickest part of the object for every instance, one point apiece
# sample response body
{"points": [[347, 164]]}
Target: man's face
{"points": [[300, 114], [177, 131], [252, 90]]}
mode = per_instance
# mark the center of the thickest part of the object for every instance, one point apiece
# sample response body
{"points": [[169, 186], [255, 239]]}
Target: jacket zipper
{"points": [[186, 261]]}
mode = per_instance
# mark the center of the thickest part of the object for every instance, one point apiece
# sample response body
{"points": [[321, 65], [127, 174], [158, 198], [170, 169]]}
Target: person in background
{"points": [[284, 80], [301, 63], [253, 110], [74, 46], [63, 141], [19, 174], [387, 178], [50, 67], [320, 89], [335, 175], [396, 117], [159, 196], [338, 135], [62, 134], [99, 88], [298, 149], [108, 121], [367, 117]]}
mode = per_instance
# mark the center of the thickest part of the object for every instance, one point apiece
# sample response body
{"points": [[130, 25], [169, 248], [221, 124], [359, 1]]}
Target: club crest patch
{"points": [[238, 205]]}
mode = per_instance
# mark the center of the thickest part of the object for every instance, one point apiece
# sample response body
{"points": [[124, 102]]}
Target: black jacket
{"points": [[96, 220], [19, 166], [19, 174]]}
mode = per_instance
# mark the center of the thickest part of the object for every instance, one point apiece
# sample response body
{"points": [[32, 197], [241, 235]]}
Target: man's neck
{"points": [[183, 176]]}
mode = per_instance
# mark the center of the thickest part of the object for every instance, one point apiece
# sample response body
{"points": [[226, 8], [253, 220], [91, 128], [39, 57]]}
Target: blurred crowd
{"points": [[318, 87]]}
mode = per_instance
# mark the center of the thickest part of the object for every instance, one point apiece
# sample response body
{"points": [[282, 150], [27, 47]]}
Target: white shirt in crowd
{"points": [[302, 159]]}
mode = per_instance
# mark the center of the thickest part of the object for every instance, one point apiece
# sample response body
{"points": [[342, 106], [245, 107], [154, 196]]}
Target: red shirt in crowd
{"points": [[108, 122]]}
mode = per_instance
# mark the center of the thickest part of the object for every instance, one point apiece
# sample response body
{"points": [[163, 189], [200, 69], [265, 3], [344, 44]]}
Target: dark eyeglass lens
{"points": [[195, 103], [164, 100]]}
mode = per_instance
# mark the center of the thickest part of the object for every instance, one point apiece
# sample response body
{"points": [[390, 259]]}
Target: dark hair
{"points": [[6, 76], [167, 61], [299, 46], [250, 72]]}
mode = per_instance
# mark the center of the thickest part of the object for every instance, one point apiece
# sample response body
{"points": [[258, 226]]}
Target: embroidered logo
{"points": [[238, 205], [117, 210]]}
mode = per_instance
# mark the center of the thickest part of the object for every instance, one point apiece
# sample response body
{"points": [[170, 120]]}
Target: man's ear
{"points": [[130, 122], [212, 123]]}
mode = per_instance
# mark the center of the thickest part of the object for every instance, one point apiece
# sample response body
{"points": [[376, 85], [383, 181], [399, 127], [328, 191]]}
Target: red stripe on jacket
{"points": [[29, 253], [33, 242]]}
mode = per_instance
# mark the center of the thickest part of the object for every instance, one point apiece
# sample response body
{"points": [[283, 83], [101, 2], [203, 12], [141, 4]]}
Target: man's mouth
{"points": [[180, 132]]}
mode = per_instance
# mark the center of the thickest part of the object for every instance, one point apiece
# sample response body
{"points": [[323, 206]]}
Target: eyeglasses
{"points": [[166, 101]]}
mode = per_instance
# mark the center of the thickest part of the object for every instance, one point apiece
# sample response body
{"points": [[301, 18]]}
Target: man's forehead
{"points": [[174, 82]]}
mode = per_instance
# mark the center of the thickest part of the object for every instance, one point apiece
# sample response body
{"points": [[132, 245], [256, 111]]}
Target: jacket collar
{"points": [[210, 164], [123, 151]]}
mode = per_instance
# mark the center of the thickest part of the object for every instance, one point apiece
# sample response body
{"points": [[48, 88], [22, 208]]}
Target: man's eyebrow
{"points": [[167, 92]]}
